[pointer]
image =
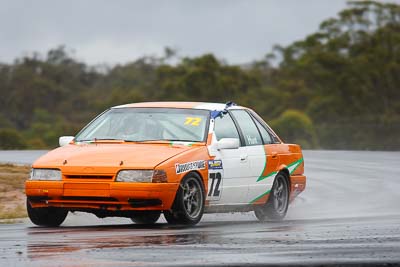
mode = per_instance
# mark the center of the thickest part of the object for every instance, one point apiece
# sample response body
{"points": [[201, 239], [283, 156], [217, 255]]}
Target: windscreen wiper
{"points": [[149, 140], [100, 139], [182, 140], [160, 140]]}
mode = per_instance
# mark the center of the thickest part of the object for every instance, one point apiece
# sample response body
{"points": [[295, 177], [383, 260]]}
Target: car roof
{"points": [[192, 105]]}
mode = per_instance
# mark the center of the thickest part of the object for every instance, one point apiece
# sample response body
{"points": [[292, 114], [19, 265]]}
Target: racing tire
{"points": [[170, 217], [48, 217], [278, 202], [146, 217], [188, 207]]}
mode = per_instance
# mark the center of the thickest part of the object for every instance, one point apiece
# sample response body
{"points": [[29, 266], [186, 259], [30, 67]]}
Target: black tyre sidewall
{"points": [[260, 213], [179, 213], [270, 208], [50, 217], [267, 211], [170, 217], [146, 217]]}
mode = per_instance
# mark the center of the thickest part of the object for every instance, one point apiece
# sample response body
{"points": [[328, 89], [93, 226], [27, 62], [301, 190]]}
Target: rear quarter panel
{"points": [[291, 159]]}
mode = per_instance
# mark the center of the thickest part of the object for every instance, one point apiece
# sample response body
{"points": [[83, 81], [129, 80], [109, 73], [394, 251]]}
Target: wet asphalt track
{"points": [[349, 214]]}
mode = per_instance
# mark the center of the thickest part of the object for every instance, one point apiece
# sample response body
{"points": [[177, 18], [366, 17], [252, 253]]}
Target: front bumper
{"points": [[101, 195]]}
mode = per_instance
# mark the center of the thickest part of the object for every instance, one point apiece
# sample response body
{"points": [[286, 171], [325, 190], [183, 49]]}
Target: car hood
{"points": [[104, 158]]}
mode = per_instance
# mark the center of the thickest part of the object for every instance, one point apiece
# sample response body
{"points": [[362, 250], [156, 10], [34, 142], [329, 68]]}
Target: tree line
{"points": [[338, 88]]}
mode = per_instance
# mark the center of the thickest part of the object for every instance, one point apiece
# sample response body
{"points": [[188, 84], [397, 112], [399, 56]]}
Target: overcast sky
{"points": [[120, 31]]}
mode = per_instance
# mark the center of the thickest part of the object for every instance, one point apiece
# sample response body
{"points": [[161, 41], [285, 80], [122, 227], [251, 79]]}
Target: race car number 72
{"points": [[214, 189]]}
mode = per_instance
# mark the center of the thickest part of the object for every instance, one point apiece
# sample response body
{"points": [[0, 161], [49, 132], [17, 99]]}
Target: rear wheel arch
{"points": [[277, 204], [283, 170]]}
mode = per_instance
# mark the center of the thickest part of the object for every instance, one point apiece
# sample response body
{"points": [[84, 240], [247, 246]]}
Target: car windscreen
{"points": [[148, 124]]}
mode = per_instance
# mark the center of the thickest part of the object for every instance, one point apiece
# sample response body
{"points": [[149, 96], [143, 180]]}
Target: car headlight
{"points": [[45, 174], [142, 176], [138, 176]]}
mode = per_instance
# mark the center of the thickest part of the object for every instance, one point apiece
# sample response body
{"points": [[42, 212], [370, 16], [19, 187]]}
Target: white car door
{"points": [[229, 172], [256, 153]]}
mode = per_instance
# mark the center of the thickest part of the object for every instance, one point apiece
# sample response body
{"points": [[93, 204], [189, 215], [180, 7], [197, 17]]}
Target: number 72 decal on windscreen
{"points": [[215, 174]]}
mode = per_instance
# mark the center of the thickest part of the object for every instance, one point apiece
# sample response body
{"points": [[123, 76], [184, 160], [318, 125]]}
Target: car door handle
{"points": [[243, 157], [274, 155]]}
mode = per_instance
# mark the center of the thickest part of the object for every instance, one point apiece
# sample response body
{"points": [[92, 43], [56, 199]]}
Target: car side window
{"points": [[264, 133], [225, 128], [250, 132], [275, 139]]}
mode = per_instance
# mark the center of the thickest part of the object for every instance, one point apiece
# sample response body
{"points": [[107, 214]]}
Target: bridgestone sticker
{"points": [[190, 166]]}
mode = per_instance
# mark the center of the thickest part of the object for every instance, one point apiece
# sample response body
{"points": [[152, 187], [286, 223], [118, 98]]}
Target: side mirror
{"points": [[65, 140], [228, 143]]}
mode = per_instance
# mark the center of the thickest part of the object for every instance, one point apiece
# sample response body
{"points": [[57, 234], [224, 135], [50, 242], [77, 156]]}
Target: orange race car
{"points": [[177, 158]]}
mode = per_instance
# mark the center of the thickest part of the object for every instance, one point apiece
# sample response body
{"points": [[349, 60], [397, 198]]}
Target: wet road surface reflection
{"points": [[217, 241]]}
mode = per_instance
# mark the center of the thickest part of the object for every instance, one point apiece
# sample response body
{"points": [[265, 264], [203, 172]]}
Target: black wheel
{"points": [[170, 217], [278, 202], [189, 202], [46, 216], [146, 216]]}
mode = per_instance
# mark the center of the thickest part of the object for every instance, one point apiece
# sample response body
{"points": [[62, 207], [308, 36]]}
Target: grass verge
{"points": [[12, 196]]}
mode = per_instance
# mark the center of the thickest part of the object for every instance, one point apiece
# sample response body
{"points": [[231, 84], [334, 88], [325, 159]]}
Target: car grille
{"points": [[90, 199], [103, 177]]}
